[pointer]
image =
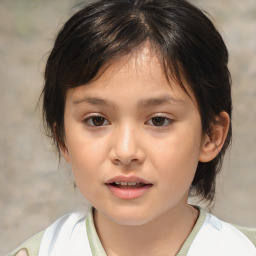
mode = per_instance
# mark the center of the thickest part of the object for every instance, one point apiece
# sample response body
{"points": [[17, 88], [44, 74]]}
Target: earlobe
{"points": [[64, 152], [212, 144]]}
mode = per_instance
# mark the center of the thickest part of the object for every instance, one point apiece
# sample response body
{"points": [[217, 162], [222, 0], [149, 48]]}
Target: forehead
{"points": [[141, 67], [138, 61]]}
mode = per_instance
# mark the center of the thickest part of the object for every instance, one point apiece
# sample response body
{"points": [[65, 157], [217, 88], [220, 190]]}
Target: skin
{"points": [[22, 252], [129, 96]]}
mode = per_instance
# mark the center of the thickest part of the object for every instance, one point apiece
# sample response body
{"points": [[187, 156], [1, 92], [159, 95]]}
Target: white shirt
{"points": [[75, 235]]}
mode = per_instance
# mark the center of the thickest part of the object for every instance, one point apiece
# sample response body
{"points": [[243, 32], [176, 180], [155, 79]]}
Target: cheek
{"points": [[86, 169], [86, 163], [176, 157], [183, 147], [83, 148], [86, 155]]}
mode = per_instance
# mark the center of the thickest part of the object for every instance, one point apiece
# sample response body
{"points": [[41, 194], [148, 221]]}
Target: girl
{"points": [[137, 99]]}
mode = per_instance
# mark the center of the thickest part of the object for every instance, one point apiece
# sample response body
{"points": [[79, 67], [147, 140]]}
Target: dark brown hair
{"points": [[187, 44]]}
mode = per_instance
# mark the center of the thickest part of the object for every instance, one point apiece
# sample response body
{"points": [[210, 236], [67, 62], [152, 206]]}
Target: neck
{"points": [[163, 236]]}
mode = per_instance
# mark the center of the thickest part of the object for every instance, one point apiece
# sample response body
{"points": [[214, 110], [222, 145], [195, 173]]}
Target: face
{"points": [[133, 140]]}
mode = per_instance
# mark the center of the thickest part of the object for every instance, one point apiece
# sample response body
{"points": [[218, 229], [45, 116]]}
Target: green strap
{"points": [[98, 250], [200, 221], [249, 232], [31, 246], [94, 241]]}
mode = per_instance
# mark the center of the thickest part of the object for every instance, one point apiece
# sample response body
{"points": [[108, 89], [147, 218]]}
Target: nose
{"points": [[127, 146]]}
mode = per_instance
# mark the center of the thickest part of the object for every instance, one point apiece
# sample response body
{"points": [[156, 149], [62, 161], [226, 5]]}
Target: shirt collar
{"points": [[98, 250]]}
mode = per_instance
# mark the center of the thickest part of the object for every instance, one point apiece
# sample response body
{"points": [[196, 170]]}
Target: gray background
{"points": [[34, 190]]}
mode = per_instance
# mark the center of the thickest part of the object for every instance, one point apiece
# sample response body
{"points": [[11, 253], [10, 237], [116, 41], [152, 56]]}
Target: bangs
{"points": [[99, 38]]}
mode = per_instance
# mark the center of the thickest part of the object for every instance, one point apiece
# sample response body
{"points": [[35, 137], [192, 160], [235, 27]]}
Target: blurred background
{"points": [[34, 189]]}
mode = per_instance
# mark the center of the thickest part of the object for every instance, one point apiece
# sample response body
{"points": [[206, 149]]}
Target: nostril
{"points": [[117, 162], [125, 162]]}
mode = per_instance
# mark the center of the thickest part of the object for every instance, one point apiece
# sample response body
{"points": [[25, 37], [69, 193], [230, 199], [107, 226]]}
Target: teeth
{"points": [[123, 183], [132, 183]]}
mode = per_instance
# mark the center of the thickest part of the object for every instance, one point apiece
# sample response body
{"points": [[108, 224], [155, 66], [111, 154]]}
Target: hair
{"points": [[186, 42]]}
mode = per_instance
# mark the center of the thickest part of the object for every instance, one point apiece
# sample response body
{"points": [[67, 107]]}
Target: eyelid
{"points": [[91, 115], [169, 120]]}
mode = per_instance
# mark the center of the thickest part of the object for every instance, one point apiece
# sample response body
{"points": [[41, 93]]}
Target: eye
{"points": [[96, 121], [160, 121]]}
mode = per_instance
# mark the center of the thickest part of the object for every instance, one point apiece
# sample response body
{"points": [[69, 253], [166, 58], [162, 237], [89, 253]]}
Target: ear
{"points": [[61, 144], [64, 152], [213, 143]]}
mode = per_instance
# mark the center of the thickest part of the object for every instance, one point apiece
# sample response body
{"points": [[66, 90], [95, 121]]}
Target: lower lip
{"points": [[129, 193]]}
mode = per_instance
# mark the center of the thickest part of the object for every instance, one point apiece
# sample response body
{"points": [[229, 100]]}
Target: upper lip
{"points": [[122, 178]]}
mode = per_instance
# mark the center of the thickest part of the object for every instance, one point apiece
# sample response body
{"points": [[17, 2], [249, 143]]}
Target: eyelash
{"points": [[167, 121], [88, 121]]}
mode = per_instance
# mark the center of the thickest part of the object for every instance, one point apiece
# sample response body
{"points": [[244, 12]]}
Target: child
{"points": [[137, 99]]}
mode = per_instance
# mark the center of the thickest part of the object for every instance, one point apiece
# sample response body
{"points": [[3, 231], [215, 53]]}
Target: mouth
{"points": [[128, 187]]}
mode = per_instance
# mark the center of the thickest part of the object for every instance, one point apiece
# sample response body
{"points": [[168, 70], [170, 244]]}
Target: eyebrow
{"points": [[94, 101], [150, 102]]}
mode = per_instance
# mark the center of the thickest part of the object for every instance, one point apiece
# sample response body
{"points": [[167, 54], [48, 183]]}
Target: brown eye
{"points": [[96, 121], [158, 121]]}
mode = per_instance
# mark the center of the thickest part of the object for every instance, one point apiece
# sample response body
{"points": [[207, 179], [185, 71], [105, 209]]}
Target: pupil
{"points": [[97, 120], [158, 121]]}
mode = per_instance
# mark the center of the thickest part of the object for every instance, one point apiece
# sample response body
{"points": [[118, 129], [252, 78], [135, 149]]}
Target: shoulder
{"points": [[217, 237], [66, 236], [30, 247], [60, 230], [250, 233]]}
